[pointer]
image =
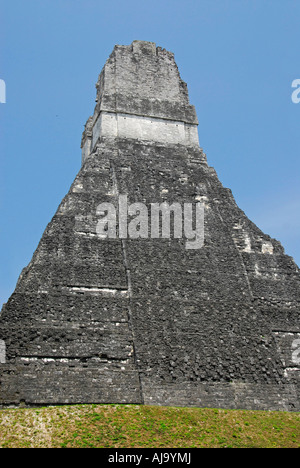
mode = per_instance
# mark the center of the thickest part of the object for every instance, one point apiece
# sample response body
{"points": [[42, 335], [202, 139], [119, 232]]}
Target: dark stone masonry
{"points": [[146, 320]]}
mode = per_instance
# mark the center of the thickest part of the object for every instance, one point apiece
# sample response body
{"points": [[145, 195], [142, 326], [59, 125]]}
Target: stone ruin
{"points": [[145, 320]]}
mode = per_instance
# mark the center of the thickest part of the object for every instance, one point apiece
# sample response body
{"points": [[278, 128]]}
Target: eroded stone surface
{"points": [[145, 320]]}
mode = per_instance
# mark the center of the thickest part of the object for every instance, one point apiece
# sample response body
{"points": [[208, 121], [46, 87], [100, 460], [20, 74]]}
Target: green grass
{"points": [[123, 426]]}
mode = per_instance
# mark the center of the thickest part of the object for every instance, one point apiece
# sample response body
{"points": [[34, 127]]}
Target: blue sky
{"points": [[238, 57]]}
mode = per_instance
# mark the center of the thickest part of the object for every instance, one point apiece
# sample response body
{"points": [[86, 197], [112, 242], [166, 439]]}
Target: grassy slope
{"points": [[116, 426]]}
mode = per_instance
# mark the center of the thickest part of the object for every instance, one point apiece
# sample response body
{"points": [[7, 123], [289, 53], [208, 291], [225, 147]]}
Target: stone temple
{"points": [[145, 320]]}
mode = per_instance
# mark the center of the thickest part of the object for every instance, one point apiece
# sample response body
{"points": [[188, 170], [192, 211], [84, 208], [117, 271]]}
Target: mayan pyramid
{"points": [[145, 320]]}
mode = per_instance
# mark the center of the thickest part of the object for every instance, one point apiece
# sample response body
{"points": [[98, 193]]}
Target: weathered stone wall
{"points": [[146, 320], [140, 95], [116, 125]]}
